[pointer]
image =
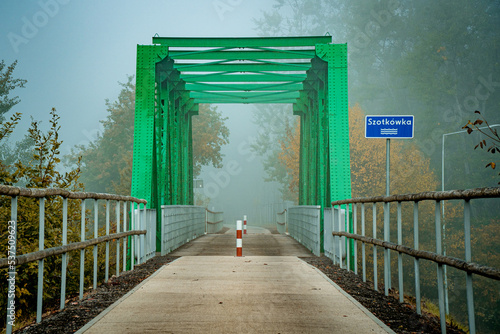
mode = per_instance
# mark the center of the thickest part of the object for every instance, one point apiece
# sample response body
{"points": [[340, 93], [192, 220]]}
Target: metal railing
{"points": [[304, 226], [14, 260], [146, 247], [438, 257], [180, 224], [281, 222], [215, 221], [333, 246]]}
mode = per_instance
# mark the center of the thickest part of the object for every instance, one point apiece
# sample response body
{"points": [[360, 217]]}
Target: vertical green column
{"points": [[338, 113], [144, 170], [300, 109], [142, 178]]}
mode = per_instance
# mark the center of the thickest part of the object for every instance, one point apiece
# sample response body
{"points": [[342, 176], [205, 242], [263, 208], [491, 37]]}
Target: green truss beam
{"points": [[243, 78], [242, 42], [244, 95], [235, 67], [241, 55], [245, 87], [176, 74]]}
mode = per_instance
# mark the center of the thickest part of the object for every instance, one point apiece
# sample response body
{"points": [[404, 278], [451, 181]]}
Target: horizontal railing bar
{"points": [[470, 267], [428, 195], [220, 221], [214, 212], [42, 254], [40, 192]]}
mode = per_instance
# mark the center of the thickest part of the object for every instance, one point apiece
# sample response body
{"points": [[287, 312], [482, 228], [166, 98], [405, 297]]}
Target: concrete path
{"points": [[258, 241], [226, 294]]}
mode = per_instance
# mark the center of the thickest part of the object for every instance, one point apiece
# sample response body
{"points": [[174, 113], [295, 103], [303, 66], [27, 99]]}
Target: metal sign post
{"points": [[388, 127]]}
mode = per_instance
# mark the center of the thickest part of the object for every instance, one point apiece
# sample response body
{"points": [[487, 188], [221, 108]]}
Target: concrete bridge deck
{"points": [[221, 293]]}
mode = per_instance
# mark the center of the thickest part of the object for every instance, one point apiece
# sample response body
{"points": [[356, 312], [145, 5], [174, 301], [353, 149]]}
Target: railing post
{"points": [[416, 243], [347, 241], [363, 233], [41, 246], [339, 221], [11, 295], [106, 268], [96, 232], [332, 222], [440, 273], [468, 278], [206, 221], [82, 251], [132, 238], [375, 274], [117, 214], [355, 226], [65, 255], [400, 256], [286, 221], [142, 237], [126, 238]]}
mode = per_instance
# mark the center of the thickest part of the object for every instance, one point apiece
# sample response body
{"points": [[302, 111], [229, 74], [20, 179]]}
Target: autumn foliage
{"points": [[411, 172], [290, 155]]}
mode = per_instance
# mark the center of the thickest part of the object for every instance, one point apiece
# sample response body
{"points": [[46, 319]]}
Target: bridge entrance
{"points": [[259, 241], [174, 75]]}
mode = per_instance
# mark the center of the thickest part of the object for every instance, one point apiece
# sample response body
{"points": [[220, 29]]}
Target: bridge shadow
{"points": [[259, 241]]}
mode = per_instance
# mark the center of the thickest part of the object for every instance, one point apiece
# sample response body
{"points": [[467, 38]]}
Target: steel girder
{"points": [[176, 74]]}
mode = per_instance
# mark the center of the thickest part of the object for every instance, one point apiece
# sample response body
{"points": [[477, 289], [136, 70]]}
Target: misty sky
{"points": [[73, 54]]}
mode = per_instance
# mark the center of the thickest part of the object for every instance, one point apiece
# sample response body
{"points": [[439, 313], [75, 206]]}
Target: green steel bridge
{"points": [[175, 75]]}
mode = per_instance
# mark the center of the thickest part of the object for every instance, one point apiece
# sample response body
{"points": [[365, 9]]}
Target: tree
{"points": [[5, 130], [273, 120], [487, 131], [40, 172], [107, 161], [209, 135], [435, 60], [7, 84], [289, 159]]}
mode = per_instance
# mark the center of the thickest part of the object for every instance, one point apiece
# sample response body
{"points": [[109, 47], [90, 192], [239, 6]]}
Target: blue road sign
{"points": [[389, 126]]}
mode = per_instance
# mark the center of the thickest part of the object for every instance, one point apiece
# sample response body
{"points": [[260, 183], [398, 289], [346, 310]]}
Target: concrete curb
{"points": [[354, 301], [115, 304]]}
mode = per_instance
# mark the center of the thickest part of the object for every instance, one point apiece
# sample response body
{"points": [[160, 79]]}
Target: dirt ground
{"points": [[402, 318]]}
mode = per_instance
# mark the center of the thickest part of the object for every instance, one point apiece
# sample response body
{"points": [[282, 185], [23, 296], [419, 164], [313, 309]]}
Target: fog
{"points": [[74, 53], [239, 188]]}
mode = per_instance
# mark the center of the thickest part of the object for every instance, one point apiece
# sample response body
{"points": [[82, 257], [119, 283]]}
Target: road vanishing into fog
{"points": [[210, 290]]}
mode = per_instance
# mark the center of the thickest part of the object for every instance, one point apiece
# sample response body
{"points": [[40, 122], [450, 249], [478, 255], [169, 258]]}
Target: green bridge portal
{"points": [[174, 75]]}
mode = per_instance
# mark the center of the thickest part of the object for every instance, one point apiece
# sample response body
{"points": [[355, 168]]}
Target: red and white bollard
{"points": [[239, 241], [244, 224]]}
